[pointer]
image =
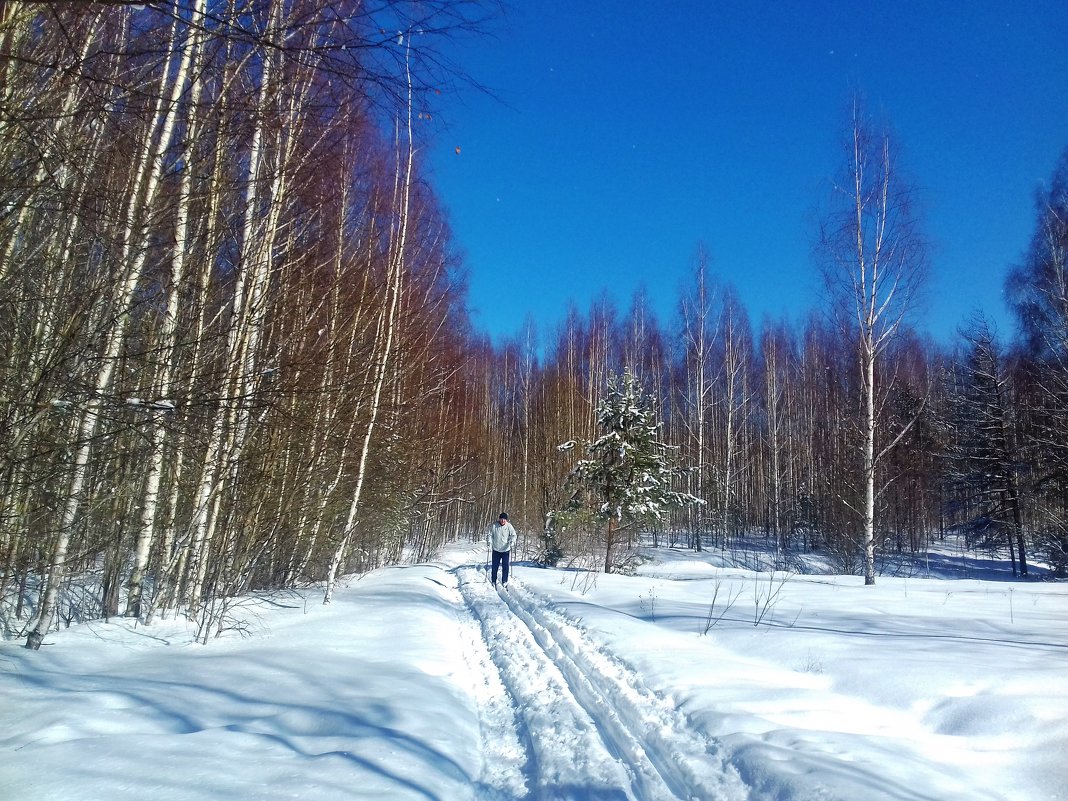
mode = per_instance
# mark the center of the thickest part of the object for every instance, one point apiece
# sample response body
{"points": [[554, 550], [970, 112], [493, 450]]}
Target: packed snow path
{"points": [[588, 728]]}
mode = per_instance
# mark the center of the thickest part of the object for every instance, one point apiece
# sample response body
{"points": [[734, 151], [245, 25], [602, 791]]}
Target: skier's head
{"points": [[502, 517]]}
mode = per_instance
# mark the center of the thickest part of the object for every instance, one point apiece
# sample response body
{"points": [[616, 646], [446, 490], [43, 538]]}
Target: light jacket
{"points": [[501, 538]]}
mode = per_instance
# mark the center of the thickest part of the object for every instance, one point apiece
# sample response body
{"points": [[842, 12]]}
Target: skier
{"points": [[501, 539]]}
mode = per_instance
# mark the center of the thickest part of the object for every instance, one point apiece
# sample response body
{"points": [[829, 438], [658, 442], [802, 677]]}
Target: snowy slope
{"points": [[423, 682]]}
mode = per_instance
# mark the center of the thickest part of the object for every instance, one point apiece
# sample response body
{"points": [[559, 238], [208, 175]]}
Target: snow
{"points": [[691, 679]]}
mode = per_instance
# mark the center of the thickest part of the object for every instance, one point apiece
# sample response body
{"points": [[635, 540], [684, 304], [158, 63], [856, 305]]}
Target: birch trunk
{"points": [[175, 549], [868, 466], [340, 356], [132, 257], [168, 338], [227, 430], [397, 264], [874, 263], [701, 336]]}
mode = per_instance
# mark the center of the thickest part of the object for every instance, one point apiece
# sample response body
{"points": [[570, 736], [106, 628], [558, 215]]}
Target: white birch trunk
{"points": [[397, 263], [250, 301], [168, 338], [147, 180], [214, 468], [868, 467], [700, 339]]}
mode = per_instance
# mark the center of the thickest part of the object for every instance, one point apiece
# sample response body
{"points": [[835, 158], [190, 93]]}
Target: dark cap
{"points": [[502, 516]]}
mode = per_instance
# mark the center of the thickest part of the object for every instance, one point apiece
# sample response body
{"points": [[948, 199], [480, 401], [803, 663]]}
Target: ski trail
{"points": [[502, 754], [662, 746], [566, 757], [584, 736]]}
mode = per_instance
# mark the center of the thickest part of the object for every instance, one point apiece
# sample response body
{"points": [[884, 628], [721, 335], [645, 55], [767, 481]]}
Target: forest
{"points": [[236, 352]]}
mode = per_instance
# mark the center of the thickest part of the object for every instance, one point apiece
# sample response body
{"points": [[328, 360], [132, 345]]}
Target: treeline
{"points": [[233, 342], [767, 421], [235, 353], [770, 420]]}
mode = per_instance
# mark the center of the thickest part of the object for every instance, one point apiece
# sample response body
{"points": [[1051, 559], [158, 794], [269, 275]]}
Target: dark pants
{"points": [[501, 560]]}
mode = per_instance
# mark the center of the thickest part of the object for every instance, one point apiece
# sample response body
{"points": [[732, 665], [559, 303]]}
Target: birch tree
{"points": [[131, 257], [700, 331], [778, 386], [873, 259], [733, 407], [387, 328]]}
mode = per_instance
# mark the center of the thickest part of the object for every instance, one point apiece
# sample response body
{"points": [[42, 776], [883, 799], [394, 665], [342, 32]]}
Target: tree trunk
{"points": [[397, 264], [868, 466]]}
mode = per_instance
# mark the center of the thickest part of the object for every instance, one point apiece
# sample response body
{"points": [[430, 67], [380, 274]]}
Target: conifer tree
{"points": [[628, 475], [985, 462]]}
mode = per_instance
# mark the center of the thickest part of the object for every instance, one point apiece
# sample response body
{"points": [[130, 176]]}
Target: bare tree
{"points": [[874, 260], [777, 373], [700, 329], [734, 405], [387, 330]]}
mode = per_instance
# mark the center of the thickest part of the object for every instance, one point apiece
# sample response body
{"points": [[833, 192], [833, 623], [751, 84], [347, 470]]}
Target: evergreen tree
{"points": [[627, 477], [984, 462]]}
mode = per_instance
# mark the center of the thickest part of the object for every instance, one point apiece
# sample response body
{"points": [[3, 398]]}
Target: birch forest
{"points": [[236, 353]]}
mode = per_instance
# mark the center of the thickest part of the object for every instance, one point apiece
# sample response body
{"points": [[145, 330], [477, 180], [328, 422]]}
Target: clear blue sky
{"points": [[622, 134]]}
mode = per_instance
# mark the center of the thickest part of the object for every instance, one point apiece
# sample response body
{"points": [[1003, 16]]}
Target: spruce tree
{"points": [[627, 476]]}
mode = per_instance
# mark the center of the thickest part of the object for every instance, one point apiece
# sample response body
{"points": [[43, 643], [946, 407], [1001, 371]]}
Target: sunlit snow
{"points": [[687, 680]]}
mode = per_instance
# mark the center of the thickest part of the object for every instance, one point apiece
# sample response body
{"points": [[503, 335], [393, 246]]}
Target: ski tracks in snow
{"points": [[502, 754], [587, 727]]}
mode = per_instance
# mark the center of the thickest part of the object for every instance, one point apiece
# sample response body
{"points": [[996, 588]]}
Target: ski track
{"points": [[590, 729], [502, 754]]}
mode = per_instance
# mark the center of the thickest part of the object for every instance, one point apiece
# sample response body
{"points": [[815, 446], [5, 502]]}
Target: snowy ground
{"points": [[686, 681]]}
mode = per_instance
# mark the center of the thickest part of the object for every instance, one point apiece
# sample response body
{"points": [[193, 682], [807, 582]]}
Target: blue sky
{"points": [[621, 135]]}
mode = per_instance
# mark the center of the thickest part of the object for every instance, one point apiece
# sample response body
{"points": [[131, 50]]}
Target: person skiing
{"points": [[501, 540]]}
